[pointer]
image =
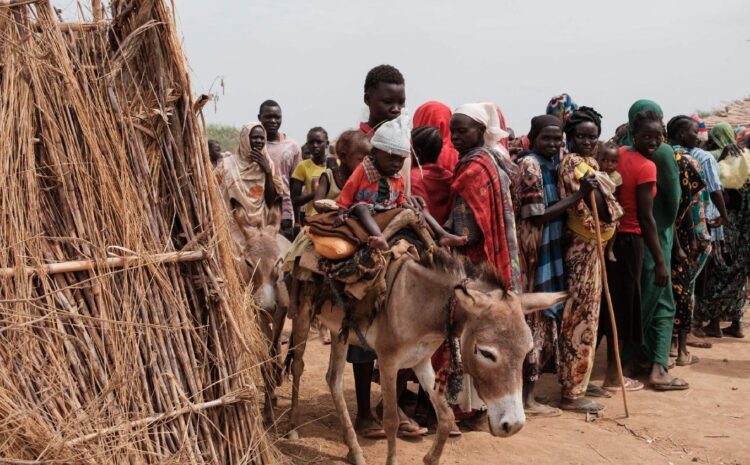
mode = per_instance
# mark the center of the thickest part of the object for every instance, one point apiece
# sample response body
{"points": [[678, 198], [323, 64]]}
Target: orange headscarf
{"points": [[438, 115]]}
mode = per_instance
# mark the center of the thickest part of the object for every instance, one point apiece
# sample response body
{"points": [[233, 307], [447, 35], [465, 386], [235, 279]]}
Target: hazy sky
{"points": [[312, 56]]}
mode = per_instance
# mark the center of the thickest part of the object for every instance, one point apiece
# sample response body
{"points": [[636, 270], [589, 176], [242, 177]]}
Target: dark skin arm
{"points": [[322, 191], [588, 184], [732, 149], [645, 205], [269, 188], [717, 198], [298, 199]]}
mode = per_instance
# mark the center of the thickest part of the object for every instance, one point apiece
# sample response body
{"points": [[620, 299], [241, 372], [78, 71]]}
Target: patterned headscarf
{"points": [[722, 134], [561, 106], [702, 129]]}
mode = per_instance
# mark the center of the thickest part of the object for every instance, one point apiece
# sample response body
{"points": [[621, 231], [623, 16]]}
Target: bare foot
{"points": [[535, 409], [581, 405], [611, 256], [449, 240], [377, 242]]}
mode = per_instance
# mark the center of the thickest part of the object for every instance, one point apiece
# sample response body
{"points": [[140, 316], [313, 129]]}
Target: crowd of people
{"points": [[669, 199]]}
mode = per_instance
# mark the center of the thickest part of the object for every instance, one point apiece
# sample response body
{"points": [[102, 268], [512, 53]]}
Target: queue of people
{"points": [[674, 234]]}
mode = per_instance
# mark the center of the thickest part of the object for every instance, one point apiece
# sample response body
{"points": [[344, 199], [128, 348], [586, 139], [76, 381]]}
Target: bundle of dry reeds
{"points": [[125, 336]]}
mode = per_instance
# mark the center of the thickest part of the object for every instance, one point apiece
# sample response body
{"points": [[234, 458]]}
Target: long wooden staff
{"points": [[605, 285]]}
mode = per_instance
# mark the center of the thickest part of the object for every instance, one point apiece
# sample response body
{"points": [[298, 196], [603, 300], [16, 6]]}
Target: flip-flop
{"points": [[410, 429], [597, 391], [631, 385], [670, 386], [691, 361], [588, 406]]}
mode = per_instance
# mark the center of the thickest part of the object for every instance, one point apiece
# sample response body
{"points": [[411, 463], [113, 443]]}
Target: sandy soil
{"points": [[707, 424]]}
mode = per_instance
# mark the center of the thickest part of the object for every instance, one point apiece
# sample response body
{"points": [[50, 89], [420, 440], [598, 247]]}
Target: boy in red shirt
{"points": [[377, 185]]}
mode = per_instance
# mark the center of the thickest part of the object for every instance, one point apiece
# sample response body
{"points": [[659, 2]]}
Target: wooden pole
{"points": [[605, 285], [114, 262]]}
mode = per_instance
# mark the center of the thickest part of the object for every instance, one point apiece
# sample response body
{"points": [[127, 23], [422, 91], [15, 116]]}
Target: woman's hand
{"points": [[258, 157], [662, 275], [588, 185]]}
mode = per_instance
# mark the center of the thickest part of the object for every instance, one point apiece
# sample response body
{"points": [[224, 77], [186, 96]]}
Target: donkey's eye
{"points": [[488, 355]]}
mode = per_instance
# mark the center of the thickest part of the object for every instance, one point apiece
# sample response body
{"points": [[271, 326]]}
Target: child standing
{"points": [[308, 172]]}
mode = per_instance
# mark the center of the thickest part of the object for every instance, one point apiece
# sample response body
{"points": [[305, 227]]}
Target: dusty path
{"points": [[708, 424]]}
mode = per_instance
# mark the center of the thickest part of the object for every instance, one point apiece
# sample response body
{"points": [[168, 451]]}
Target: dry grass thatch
{"points": [[736, 113], [124, 336]]}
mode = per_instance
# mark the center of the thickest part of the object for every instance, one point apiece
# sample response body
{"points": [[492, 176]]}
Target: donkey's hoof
{"points": [[356, 458], [293, 435]]}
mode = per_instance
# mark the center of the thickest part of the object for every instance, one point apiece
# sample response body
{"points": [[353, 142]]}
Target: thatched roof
{"points": [[736, 113]]}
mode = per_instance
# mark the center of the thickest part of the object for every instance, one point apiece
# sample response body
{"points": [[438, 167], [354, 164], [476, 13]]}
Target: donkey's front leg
{"points": [[335, 380], [444, 412], [388, 375], [298, 343]]}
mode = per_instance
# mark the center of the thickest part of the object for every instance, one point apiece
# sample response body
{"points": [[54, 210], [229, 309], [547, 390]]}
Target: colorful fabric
{"points": [[545, 355], [486, 114], [693, 236], [573, 168], [485, 188], [637, 107], [710, 175], [433, 183], [286, 155], [616, 178], [722, 293], [438, 115], [580, 318], [541, 246], [561, 106], [367, 186], [702, 129], [243, 181], [308, 173], [635, 170], [722, 135]]}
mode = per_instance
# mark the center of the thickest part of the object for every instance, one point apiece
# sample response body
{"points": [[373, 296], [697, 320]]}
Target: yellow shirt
{"points": [[309, 173]]}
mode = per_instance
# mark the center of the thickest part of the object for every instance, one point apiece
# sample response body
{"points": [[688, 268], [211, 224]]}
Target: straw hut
{"points": [[736, 113], [125, 336]]}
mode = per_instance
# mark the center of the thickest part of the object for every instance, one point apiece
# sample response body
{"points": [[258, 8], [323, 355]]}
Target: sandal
{"points": [[672, 385], [542, 411], [597, 391], [631, 385], [697, 342], [410, 429]]}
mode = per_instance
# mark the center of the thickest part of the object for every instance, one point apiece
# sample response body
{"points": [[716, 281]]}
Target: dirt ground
{"points": [[707, 424]]}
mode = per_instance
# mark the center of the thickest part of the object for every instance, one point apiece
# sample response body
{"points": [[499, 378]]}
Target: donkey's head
{"points": [[494, 343], [263, 253]]}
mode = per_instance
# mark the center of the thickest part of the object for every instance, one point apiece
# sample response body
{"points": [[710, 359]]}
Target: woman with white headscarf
{"points": [[482, 207]]}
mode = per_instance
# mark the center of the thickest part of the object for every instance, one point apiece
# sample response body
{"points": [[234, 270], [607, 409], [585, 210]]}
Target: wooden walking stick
{"points": [[605, 285]]}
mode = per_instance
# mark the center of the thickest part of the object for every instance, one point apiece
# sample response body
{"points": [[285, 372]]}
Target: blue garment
{"points": [[550, 272], [713, 183]]}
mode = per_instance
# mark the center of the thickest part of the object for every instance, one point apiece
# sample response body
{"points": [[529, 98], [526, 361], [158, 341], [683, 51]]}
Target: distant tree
{"points": [[228, 136]]}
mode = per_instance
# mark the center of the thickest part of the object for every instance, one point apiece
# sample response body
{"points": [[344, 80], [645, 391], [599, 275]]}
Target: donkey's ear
{"points": [[536, 301], [471, 299]]}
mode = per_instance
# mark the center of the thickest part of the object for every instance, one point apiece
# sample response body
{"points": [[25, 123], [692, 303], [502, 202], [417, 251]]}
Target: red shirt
{"points": [[362, 188], [635, 170], [433, 184]]}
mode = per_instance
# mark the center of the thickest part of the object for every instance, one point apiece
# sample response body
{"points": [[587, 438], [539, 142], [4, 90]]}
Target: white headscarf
{"points": [[394, 136], [486, 114]]}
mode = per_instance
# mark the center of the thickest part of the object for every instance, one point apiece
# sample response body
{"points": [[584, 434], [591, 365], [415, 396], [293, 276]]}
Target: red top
{"points": [[433, 184], [635, 170], [362, 188], [364, 127]]}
